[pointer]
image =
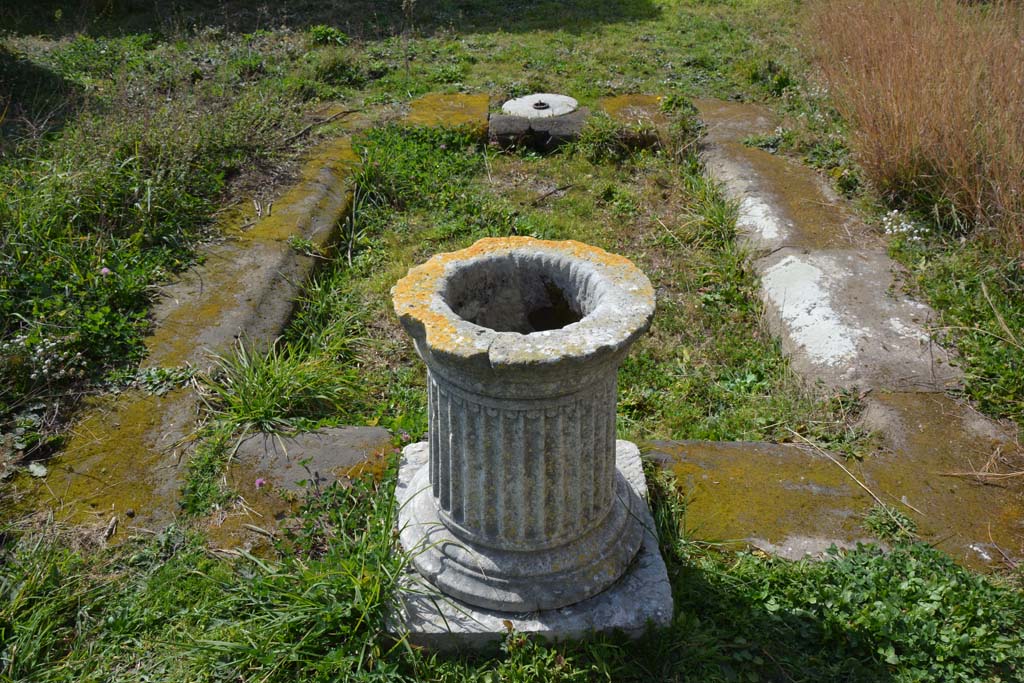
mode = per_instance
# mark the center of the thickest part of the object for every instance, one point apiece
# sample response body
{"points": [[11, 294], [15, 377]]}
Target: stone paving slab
{"points": [[792, 500], [321, 457], [931, 445], [641, 599], [268, 470], [781, 498]]}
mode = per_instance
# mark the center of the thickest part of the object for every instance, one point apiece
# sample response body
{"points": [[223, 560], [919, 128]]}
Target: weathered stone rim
{"points": [[622, 313]]}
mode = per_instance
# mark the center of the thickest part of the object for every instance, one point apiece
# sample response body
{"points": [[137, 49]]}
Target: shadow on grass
{"points": [[722, 632], [359, 18], [33, 99], [728, 625]]}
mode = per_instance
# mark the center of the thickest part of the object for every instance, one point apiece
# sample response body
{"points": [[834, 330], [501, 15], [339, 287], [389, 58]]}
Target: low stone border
{"points": [[122, 459]]}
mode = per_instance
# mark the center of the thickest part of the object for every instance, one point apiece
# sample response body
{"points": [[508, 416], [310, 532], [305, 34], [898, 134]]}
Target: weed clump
{"points": [[321, 34], [602, 140], [279, 390]]}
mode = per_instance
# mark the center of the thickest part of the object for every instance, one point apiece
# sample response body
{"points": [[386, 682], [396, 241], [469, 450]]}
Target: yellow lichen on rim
{"points": [[415, 295]]}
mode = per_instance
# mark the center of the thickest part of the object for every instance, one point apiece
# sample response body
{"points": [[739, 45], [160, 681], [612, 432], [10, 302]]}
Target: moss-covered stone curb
{"points": [[123, 456], [833, 297]]}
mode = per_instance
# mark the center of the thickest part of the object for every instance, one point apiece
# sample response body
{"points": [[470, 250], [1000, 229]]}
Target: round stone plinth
{"points": [[540, 106]]}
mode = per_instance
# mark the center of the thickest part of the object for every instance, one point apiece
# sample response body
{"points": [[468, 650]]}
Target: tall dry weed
{"points": [[935, 90]]}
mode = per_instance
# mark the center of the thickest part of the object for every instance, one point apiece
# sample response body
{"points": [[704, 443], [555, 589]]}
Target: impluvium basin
{"points": [[521, 507]]}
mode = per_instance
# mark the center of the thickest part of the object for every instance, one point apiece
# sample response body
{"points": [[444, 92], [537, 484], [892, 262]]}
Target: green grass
{"points": [[277, 390], [978, 291], [127, 130], [164, 608], [110, 200]]}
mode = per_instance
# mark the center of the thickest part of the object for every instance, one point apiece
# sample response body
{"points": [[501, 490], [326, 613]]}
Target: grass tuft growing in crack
{"points": [[283, 389]]}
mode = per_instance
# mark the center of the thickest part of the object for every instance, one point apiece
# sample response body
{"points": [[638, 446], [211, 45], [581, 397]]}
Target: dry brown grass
{"points": [[935, 92]]}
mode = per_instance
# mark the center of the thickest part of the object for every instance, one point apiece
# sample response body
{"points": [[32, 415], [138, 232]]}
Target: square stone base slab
{"points": [[642, 598]]}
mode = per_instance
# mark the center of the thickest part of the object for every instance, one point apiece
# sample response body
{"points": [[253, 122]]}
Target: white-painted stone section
{"points": [[759, 219], [832, 295], [909, 332], [800, 291]]}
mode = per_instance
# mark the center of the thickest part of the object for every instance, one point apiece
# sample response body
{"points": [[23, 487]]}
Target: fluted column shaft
{"points": [[521, 475]]}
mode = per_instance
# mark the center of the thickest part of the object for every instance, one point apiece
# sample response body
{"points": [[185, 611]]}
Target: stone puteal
{"points": [[520, 506]]}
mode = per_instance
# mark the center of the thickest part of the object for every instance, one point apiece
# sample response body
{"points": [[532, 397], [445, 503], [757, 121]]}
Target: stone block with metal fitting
{"points": [[542, 121]]}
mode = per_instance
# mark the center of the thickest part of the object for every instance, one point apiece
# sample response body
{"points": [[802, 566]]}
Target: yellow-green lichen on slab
{"points": [[450, 111], [121, 459], [768, 492], [632, 110], [933, 444], [771, 493]]}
